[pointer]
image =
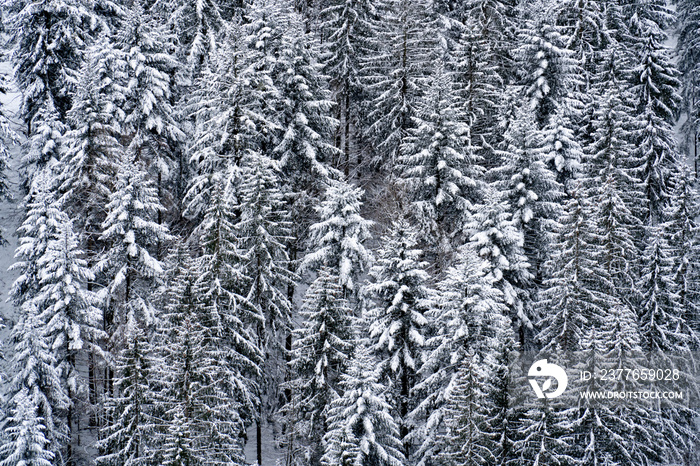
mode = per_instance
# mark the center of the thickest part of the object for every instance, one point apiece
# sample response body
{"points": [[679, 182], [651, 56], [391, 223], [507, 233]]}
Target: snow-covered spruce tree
{"points": [[49, 40], [361, 428], [682, 226], [661, 320], [528, 186], [69, 319], [625, 431], [88, 166], [348, 29], [321, 348], [227, 102], [582, 23], [41, 224], [615, 194], [688, 52], [43, 147], [500, 243], [337, 239], [128, 440], [406, 38], [467, 307], [197, 27], [263, 229], [560, 149], [25, 435], [150, 127], [569, 298], [305, 150], [544, 434], [467, 440], [226, 379], [438, 168], [657, 103], [549, 73], [36, 399], [397, 323], [131, 231]]}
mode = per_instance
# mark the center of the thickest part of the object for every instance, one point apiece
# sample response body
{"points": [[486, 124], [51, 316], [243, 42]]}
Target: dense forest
{"points": [[333, 229]]}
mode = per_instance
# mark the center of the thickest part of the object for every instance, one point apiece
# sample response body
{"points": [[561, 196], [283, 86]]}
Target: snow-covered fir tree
{"points": [[528, 186], [397, 323], [230, 322], [498, 241], [131, 231], [688, 52], [349, 31], [150, 127], [549, 72], [69, 318], [263, 229], [337, 240], [657, 107], [25, 435], [438, 168], [615, 193], [41, 224], [408, 35], [321, 349], [91, 147], [36, 402], [468, 308], [7, 137], [361, 428], [230, 120], [682, 227], [569, 296], [46, 63], [128, 438]]}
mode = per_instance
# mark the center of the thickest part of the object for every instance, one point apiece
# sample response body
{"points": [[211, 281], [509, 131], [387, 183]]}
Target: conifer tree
{"points": [[42, 223], [682, 228], [263, 229], [230, 117], [437, 167], [529, 187], [131, 231], [36, 400], [337, 239], [657, 107], [150, 127], [7, 137], [407, 36], [92, 147], [47, 62], [569, 296], [550, 72], [496, 239], [229, 322], [615, 194], [361, 427], [397, 322], [468, 310], [321, 349], [349, 30], [129, 438], [688, 52], [26, 440], [69, 318]]}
